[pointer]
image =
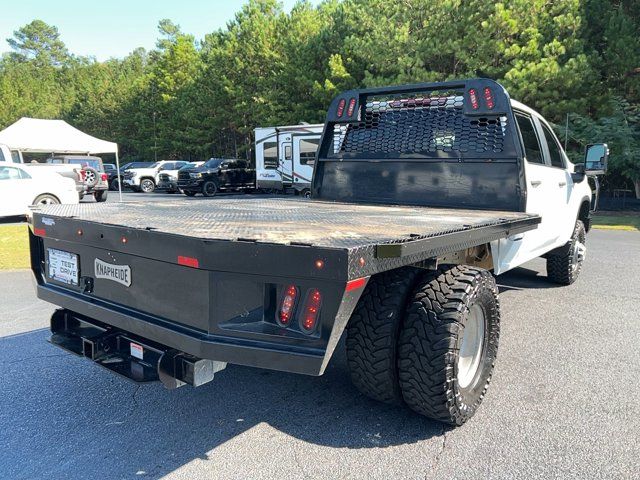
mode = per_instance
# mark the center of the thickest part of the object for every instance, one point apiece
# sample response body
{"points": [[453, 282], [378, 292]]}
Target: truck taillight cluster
{"points": [[350, 108], [309, 312], [475, 98], [288, 305], [488, 98]]}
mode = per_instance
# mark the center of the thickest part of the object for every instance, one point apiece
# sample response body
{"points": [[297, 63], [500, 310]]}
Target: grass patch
{"points": [[617, 222], [14, 247]]}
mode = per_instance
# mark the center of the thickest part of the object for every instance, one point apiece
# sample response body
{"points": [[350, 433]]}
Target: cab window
{"points": [[532, 149], [554, 149]]}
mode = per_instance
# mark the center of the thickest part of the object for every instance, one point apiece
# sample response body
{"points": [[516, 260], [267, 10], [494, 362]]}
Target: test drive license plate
{"points": [[63, 266]]}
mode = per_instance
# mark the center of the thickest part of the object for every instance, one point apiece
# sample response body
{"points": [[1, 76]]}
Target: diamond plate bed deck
{"points": [[289, 220]]}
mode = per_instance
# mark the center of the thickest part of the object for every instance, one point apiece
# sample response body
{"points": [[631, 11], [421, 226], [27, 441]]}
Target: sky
{"points": [[114, 28]]}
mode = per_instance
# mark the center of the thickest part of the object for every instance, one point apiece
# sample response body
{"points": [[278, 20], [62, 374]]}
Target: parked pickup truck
{"points": [[168, 179], [419, 193], [146, 179], [216, 175]]}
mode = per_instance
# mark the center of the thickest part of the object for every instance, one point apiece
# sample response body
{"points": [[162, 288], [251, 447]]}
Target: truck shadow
{"points": [[57, 406], [521, 278]]}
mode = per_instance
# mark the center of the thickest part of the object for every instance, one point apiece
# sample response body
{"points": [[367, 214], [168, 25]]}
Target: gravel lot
{"points": [[564, 402]]}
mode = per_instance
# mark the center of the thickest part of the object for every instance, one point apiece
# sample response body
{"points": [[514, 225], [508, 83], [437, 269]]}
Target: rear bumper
{"points": [[270, 355], [132, 357]]}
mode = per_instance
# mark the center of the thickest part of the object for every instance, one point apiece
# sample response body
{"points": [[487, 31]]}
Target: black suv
{"points": [[217, 174]]}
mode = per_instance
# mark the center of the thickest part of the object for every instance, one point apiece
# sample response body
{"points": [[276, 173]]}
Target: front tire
{"points": [[449, 342], [147, 185], [372, 334], [565, 263], [46, 199], [209, 188]]}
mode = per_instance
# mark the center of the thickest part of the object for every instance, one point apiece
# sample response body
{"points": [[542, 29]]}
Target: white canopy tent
{"points": [[54, 136]]}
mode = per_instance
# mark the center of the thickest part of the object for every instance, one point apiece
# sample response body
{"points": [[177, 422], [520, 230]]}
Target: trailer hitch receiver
{"points": [[138, 359]]}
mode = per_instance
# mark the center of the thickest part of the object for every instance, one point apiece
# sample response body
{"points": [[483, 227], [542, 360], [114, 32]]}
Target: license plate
{"points": [[63, 266]]}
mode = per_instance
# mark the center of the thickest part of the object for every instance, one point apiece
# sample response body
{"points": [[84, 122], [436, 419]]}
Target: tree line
{"points": [[195, 98]]}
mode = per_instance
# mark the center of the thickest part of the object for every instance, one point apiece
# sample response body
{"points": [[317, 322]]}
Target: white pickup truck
{"points": [[146, 179], [420, 194]]}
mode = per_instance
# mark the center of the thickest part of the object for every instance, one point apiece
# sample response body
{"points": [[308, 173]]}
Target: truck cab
{"points": [[554, 191]]}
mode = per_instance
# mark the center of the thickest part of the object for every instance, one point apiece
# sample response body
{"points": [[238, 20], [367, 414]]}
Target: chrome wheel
{"points": [[578, 251], [470, 354], [46, 200], [147, 186]]}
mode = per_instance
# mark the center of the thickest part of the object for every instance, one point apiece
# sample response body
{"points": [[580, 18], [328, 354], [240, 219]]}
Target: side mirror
{"points": [[595, 159]]}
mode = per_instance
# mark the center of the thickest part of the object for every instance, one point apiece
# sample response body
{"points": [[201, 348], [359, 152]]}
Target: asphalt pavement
{"points": [[564, 401]]}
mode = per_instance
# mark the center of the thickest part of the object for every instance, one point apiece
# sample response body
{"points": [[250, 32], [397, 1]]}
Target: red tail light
{"points": [[104, 177], [352, 106], [488, 98], [341, 105], [186, 261], [82, 175], [41, 232], [473, 96], [356, 284], [287, 305], [309, 318]]}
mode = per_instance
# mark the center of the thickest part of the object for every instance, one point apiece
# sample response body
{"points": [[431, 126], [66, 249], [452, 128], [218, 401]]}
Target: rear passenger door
{"points": [[565, 196], [542, 198], [547, 182]]}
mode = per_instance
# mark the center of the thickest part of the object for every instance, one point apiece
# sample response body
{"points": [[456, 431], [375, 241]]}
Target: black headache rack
{"points": [[206, 284], [451, 144]]}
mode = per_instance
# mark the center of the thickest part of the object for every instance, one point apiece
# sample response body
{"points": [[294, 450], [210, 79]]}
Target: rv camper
{"points": [[285, 157]]}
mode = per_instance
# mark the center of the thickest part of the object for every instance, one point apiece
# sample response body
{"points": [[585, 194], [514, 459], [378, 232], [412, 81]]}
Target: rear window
{"points": [[95, 164]]}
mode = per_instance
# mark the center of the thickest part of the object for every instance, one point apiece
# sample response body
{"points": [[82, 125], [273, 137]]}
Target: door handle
{"points": [[536, 183], [562, 184]]}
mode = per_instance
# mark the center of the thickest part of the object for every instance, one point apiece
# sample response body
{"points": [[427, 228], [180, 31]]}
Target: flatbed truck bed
{"points": [[203, 277], [379, 234]]}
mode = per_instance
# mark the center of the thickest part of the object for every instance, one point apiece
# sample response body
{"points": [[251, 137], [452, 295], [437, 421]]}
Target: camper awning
{"points": [[52, 136]]}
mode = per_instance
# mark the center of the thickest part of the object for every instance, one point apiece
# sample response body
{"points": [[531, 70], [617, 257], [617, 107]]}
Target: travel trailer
{"points": [[285, 157]]}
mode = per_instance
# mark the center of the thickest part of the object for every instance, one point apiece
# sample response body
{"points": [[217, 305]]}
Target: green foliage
{"points": [[193, 99], [40, 43]]}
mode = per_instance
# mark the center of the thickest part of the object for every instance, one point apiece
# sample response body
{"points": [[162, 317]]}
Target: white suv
{"points": [[146, 179]]}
